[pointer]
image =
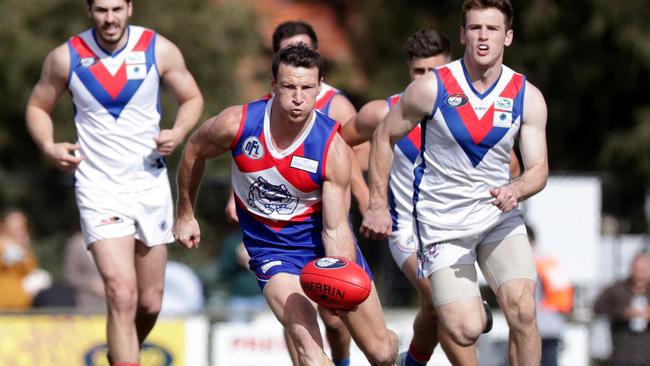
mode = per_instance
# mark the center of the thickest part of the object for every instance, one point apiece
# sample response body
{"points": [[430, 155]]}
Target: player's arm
{"points": [[337, 235], [416, 103], [360, 128], [357, 132], [532, 144], [51, 84], [181, 83], [342, 110], [514, 167], [212, 139]]}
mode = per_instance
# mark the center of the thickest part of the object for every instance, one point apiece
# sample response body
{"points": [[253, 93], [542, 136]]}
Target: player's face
{"points": [[296, 89], [294, 40], [420, 66], [485, 36], [111, 19]]}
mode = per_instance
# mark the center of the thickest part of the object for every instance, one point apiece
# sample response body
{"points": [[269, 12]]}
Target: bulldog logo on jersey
{"points": [[456, 100], [269, 198], [252, 148]]}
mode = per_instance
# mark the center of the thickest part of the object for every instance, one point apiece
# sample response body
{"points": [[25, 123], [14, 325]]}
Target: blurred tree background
{"points": [[590, 58]]}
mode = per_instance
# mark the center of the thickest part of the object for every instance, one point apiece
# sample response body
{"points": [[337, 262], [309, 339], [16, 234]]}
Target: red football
{"points": [[335, 282]]}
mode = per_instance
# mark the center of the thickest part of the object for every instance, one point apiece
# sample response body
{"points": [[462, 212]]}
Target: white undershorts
{"points": [[462, 250], [402, 245], [146, 215]]}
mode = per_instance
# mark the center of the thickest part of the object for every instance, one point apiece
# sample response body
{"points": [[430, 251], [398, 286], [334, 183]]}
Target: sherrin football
{"points": [[335, 283]]}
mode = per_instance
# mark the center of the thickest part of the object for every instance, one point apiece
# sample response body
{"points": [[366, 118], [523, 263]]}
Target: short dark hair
{"points": [[427, 43], [90, 2], [504, 6], [293, 28], [298, 56]]}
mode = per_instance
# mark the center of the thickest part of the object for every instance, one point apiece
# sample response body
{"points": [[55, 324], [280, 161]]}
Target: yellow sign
{"points": [[80, 340]]}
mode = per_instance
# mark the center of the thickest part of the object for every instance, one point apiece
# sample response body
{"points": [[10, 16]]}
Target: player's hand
{"points": [[376, 224], [62, 154], [167, 141], [186, 231], [505, 198]]}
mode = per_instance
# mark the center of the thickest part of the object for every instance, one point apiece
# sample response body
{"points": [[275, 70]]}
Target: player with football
{"points": [[290, 177]]}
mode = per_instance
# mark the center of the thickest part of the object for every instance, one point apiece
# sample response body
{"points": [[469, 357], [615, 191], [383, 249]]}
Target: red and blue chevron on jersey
{"points": [[117, 111], [478, 134], [466, 145], [112, 84], [278, 193]]}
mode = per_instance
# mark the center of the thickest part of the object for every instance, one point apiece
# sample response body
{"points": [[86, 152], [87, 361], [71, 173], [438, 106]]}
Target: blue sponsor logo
{"points": [[150, 354]]}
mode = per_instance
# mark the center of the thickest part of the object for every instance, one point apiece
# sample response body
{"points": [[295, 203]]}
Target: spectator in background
{"points": [[554, 300], [626, 304], [244, 296], [80, 273], [20, 277]]}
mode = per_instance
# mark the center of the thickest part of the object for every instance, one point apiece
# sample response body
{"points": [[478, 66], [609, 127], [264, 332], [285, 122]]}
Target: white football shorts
{"points": [[146, 215]]}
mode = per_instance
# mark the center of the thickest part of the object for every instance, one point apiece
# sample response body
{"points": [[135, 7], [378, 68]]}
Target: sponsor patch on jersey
{"points": [[456, 100], [329, 263], [163, 225], [308, 165], [88, 61], [135, 57], [502, 119], [270, 265], [504, 104], [136, 71]]}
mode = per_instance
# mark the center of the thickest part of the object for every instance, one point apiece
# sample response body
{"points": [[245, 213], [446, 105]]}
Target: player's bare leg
{"points": [[297, 314], [150, 269], [517, 299], [291, 348], [338, 336], [368, 329], [115, 258], [426, 332]]}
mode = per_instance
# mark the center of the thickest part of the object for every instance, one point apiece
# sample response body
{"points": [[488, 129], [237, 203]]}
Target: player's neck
{"points": [[285, 132], [482, 76]]}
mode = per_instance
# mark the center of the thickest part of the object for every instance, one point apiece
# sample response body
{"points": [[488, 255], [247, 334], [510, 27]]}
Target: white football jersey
{"points": [[466, 151], [117, 112]]}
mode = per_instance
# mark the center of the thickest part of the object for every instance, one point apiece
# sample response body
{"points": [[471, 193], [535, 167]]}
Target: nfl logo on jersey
{"points": [[253, 148]]}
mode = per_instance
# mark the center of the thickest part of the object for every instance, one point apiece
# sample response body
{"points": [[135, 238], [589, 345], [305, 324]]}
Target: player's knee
{"points": [[465, 332], [383, 352], [122, 296], [520, 311], [150, 302]]}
